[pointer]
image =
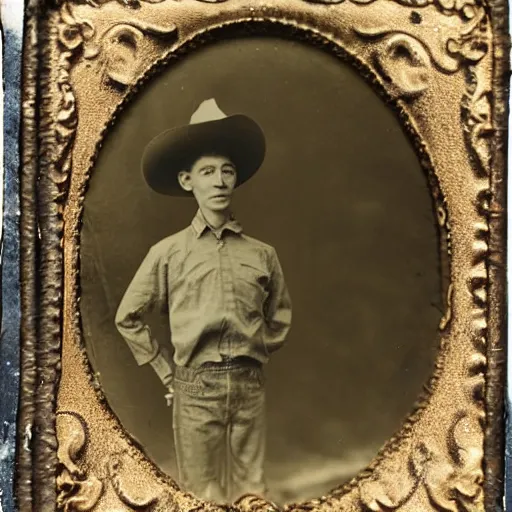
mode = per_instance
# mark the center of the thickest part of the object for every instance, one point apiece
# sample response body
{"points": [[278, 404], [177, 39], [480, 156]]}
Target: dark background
{"points": [[342, 197]]}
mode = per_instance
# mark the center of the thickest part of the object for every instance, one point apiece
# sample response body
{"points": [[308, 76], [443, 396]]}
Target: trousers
{"points": [[219, 429]]}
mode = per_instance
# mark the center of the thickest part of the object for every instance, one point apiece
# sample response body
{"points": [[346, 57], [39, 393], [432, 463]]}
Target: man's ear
{"points": [[184, 180]]}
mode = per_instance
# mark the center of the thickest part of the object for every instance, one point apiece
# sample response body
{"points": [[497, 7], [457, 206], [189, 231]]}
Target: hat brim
{"points": [[237, 137]]}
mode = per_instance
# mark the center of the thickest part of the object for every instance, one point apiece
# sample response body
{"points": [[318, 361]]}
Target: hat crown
{"points": [[207, 111]]}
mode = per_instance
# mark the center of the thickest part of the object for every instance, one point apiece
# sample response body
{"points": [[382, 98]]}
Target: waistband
{"points": [[227, 363]]}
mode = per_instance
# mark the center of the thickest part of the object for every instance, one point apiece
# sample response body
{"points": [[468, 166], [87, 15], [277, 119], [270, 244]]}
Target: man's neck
{"points": [[216, 219]]}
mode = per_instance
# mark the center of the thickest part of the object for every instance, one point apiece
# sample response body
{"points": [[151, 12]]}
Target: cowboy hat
{"points": [[210, 132]]}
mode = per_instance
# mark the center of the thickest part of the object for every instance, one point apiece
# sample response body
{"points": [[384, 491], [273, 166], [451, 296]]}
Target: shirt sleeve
{"points": [[278, 307], [147, 290]]}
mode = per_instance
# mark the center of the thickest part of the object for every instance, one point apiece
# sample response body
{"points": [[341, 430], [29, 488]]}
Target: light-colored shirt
{"points": [[224, 291]]}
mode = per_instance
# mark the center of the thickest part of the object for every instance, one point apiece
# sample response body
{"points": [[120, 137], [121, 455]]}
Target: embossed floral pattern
{"points": [[76, 489], [452, 478]]}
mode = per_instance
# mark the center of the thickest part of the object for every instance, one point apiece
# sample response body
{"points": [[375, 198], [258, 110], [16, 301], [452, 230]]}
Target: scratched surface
{"points": [[11, 11]]}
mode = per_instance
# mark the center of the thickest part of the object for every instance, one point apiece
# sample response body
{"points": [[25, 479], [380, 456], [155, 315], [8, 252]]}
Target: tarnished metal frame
{"points": [[441, 65]]}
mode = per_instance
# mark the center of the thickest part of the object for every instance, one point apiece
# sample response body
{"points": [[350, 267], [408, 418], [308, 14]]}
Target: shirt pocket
{"points": [[253, 283]]}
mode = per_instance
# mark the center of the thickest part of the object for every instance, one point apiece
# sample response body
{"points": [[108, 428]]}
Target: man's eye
{"points": [[229, 171]]}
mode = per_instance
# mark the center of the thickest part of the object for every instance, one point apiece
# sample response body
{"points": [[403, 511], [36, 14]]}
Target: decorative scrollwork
{"points": [[472, 43], [132, 495], [450, 475], [464, 46], [465, 9], [405, 58], [452, 478], [252, 503], [80, 491], [117, 51], [66, 123], [134, 4], [477, 123], [76, 489], [404, 63], [116, 48]]}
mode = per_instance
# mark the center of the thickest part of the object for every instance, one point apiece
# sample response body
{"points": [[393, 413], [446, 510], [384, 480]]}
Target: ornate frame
{"points": [[448, 454]]}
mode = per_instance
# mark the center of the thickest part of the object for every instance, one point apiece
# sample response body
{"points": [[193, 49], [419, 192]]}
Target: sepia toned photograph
{"points": [[262, 257], [261, 271]]}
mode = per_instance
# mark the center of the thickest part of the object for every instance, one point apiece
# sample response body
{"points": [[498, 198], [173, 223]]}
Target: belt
{"points": [[228, 361]]}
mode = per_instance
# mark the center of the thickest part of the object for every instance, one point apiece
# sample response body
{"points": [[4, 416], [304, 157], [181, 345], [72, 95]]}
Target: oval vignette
{"points": [[343, 199]]}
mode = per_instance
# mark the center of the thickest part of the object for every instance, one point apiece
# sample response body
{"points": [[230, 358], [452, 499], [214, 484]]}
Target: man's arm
{"points": [[278, 307], [147, 290]]}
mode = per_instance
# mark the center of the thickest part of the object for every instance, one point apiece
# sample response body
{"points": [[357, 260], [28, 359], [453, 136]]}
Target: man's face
{"points": [[212, 180]]}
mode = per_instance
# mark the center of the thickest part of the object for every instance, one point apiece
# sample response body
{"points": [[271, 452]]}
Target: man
{"points": [[227, 300]]}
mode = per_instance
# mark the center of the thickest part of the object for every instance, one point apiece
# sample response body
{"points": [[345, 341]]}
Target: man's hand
{"points": [[169, 395]]}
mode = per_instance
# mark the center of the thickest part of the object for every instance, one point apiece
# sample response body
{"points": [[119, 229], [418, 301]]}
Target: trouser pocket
{"points": [[187, 380]]}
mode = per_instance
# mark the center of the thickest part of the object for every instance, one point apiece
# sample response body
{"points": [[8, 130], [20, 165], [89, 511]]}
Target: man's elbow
{"points": [[121, 319], [281, 324]]}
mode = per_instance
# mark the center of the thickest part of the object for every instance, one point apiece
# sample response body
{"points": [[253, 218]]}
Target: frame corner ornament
{"points": [[76, 489], [116, 50]]}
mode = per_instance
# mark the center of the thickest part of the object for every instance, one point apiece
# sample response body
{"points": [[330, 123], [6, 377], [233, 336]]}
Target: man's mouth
{"points": [[220, 196]]}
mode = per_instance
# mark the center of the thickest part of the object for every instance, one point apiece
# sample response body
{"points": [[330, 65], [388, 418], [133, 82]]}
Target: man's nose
{"points": [[219, 179]]}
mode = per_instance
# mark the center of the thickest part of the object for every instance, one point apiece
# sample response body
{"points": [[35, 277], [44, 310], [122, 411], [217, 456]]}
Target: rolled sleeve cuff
{"points": [[162, 369]]}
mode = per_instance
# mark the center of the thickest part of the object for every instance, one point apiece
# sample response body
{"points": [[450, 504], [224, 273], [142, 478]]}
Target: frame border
{"points": [[42, 228]]}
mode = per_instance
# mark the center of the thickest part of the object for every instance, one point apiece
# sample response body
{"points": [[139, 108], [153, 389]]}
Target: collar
{"points": [[200, 225]]}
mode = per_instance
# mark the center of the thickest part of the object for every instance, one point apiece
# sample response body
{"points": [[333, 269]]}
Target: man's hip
{"points": [[222, 376]]}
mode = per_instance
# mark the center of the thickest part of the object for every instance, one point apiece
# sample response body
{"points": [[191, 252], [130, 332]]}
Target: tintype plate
{"points": [[338, 345]]}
